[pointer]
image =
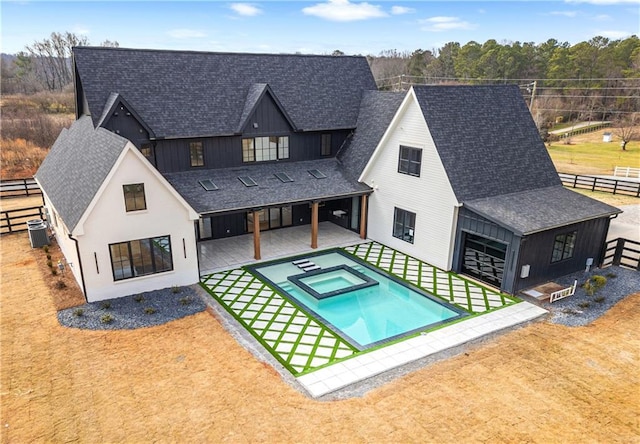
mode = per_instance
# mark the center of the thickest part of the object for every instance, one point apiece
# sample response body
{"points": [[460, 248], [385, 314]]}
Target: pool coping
{"points": [[367, 365]]}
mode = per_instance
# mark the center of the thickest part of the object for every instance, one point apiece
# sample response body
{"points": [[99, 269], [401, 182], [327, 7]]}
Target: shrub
{"points": [[60, 284], [48, 256], [185, 300], [150, 310], [138, 298], [584, 304], [593, 284], [46, 249], [78, 312], [49, 263], [600, 299], [54, 272], [106, 318], [105, 305], [611, 275], [175, 289]]}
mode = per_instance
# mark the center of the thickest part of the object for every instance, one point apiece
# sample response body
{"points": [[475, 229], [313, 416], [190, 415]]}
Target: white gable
{"points": [[429, 196], [106, 222]]}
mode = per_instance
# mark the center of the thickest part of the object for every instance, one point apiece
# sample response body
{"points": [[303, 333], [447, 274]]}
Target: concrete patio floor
{"points": [[223, 254]]}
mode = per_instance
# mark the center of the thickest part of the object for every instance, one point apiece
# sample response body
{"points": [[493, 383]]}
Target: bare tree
{"points": [[51, 58], [626, 129]]}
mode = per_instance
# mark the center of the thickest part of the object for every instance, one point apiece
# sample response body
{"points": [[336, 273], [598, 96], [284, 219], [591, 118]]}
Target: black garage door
{"points": [[484, 259]]}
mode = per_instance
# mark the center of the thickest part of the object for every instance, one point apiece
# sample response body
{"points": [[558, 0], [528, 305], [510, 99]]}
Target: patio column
{"points": [[314, 225], [256, 234], [363, 217]]}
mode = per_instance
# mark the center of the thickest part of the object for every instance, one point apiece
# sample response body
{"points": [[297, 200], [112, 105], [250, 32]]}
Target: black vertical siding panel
{"points": [[538, 248]]}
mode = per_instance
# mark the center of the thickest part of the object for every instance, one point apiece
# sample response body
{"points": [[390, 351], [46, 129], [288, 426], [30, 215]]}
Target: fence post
{"points": [[26, 187], [617, 255], [593, 188], [575, 181], [615, 186], [6, 214]]}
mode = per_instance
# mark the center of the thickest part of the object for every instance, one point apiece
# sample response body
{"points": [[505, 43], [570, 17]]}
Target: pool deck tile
{"points": [[364, 366]]}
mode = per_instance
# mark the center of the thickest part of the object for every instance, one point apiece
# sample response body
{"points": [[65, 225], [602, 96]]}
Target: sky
{"points": [[315, 26]]}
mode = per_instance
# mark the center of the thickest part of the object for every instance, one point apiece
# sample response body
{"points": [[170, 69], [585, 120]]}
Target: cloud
{"points": [[400, 10], [439, 24], [81, 30], [246, 9], [344, 11], [603, 18], [570, 14], [183, 33], [614, 35]]}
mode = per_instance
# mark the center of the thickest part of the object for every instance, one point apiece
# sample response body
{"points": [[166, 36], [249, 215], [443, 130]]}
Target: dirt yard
{"points": [[189, 381]]}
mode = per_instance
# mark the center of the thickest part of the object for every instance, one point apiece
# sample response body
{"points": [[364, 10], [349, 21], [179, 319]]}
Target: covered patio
{"points": [[231, 252]]}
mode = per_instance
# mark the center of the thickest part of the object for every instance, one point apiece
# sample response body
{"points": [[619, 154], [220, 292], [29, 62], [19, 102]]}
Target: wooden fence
{"points": [[615, 186], [570, 132], [623, 253], [14, 221], [626, 172], [19, 187]]}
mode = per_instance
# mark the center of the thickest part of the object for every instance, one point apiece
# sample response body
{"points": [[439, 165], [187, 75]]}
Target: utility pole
{"points": [[534, 84]]}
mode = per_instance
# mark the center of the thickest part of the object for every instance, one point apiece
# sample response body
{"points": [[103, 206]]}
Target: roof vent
{"points": [[317, 174], [247, 181], [284, 177], [208, 185]]}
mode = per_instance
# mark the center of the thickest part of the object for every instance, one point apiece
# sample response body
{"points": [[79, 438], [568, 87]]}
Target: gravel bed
{"points": [[581, 308], [134, 311]]}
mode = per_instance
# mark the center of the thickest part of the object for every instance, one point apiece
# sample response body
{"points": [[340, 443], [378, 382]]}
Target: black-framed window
{"points": [[563, 246], [147, 150], [325, 147], [141, 257], [410, 160], [196, 154], [261, 149], [404, 224], [134, 199]]}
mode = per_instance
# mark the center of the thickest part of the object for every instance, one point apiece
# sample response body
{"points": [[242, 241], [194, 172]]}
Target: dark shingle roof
{"points": [[233, 195], [487, 140], [317, 92], [376, 112], [528, 212], [77, 165]]}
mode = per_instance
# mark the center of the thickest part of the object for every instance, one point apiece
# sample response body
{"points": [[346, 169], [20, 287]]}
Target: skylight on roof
{"points": [[247, 181], [208, 185], [284, 177], [317, 174]]}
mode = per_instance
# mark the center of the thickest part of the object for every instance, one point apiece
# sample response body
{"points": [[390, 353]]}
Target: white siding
{"points": [[429, 196], [108, 222]]}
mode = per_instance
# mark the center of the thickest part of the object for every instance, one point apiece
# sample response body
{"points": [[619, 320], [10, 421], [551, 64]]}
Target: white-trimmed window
{"points": [[404, 224], [141, 257]]}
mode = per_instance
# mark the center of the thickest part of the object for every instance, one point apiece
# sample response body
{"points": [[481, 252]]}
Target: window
{"points": [[563, 246], [141, 257], [196, 153], [404, 223], [325, 149], [134, 197], [146, 150], [260, 149], [410, 160]]}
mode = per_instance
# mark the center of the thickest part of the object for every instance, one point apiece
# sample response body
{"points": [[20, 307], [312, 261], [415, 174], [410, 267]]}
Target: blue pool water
{"points": [[365, 316]]}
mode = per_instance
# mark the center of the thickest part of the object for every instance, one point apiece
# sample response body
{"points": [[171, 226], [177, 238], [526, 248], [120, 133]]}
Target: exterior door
{"points": [[484, 259]]}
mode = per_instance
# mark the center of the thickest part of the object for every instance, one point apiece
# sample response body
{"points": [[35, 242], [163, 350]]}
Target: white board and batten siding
{"points": [[429, 196], [107, 222]]}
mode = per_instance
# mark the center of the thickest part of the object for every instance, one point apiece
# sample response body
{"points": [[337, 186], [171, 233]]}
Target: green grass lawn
{"points": [[594, 157]]}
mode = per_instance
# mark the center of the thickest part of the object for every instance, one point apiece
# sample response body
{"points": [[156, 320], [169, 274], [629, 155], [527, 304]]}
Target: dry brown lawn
{"points": [[190, 381]]}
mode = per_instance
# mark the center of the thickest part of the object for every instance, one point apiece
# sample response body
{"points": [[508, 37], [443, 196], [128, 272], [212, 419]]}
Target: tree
{"points": [[626, 129]]}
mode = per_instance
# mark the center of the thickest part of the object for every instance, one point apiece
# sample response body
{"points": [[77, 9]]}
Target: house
{"points": [[173, 148], [486, 200]]}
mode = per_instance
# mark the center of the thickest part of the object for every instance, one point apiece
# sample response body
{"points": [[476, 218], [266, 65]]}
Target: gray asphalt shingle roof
{"points": [[530, 211], [233, 195], [376, 112], [487, 140], [188, 94], [77, 165]]}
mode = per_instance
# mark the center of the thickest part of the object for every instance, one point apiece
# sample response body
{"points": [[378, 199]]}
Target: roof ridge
{"points": [[193, 51]]}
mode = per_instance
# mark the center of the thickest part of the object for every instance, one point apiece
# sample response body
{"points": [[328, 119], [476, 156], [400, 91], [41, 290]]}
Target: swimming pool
{"points": [[363, 305]]}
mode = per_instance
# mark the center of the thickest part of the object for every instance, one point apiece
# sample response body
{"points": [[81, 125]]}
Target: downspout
{"points": [[84, 289]]}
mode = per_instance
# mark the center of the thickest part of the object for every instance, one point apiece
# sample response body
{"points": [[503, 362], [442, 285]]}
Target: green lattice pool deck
{"points": [[303, 344]]}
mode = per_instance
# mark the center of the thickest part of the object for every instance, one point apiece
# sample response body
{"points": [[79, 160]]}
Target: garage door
{"points": [[484, 259]]}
